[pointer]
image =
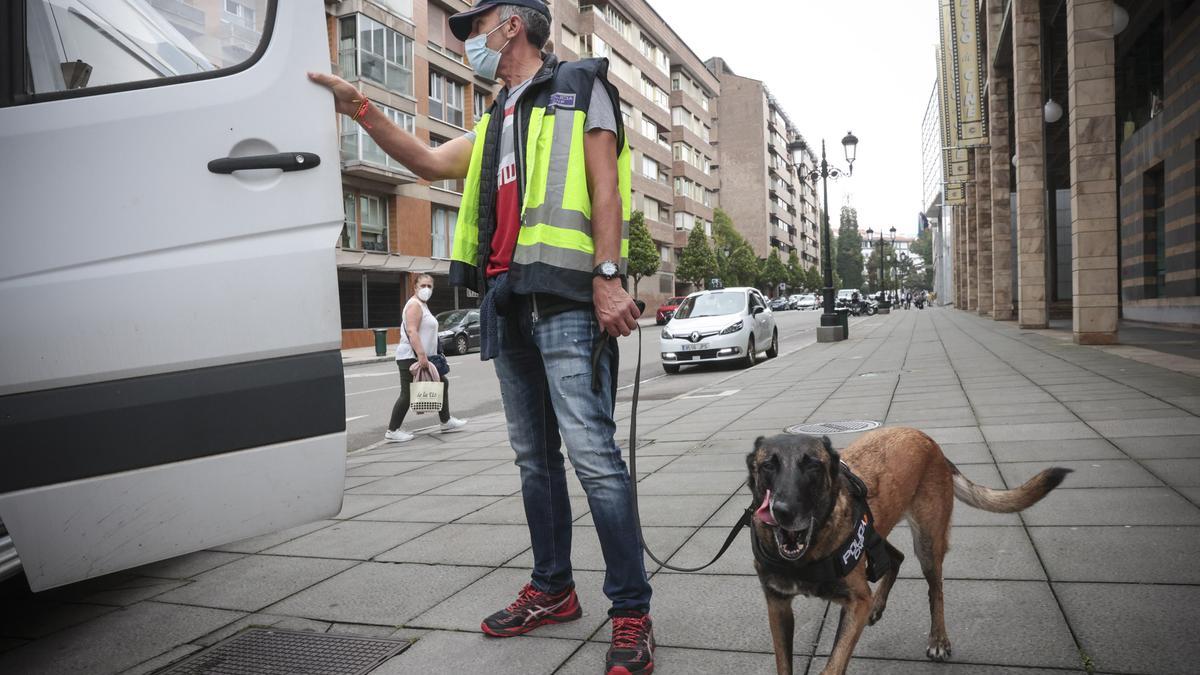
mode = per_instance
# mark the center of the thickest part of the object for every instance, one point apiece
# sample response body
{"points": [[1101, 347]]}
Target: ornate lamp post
{"points": [[829, 318], [883, 304]]}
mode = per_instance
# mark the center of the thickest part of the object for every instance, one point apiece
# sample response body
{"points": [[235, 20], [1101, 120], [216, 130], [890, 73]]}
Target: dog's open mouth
{"points": [[791, 543]]}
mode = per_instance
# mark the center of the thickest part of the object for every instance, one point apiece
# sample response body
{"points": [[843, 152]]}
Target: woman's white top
{"points": [[427, 331]]}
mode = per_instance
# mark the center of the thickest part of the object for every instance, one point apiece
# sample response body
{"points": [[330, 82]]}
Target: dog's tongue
{"points": [[764, 511]]}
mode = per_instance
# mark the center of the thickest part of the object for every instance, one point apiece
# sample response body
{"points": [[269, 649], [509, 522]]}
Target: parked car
{"points": [[667, 310], [779, 304], [458, 330], [845, 294], [726, 325], [807, 301]]}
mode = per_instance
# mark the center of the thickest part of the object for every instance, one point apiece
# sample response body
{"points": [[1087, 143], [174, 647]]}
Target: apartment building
{"points": [[762, 188], [227, 32], [667, 103]]}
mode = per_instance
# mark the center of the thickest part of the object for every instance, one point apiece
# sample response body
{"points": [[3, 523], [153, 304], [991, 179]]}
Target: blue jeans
{"points": [[545, 373]]}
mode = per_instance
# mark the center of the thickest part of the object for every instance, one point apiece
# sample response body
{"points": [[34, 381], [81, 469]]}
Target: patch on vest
{"points": [[562, 100]]}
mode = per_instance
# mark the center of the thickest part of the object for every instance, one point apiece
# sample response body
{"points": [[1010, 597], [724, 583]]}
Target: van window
{"points": [[82, 44]]}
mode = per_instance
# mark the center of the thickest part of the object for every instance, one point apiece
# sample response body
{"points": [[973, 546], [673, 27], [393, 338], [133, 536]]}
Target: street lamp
{"points": [[829, 317], [883, 304]]}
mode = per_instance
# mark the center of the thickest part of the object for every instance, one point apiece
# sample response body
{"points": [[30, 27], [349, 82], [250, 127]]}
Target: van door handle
{"points": [[285, 161]]}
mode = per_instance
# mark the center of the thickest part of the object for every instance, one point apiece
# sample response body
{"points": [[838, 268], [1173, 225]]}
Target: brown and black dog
{"points": [[806, 511]]}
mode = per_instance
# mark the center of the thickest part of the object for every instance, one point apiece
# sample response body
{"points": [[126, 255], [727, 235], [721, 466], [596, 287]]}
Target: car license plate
{"points": [[695, 347]]}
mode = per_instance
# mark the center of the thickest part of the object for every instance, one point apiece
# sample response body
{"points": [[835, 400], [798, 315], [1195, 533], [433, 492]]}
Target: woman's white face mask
{"points": [[423, 294], [485, 60]]}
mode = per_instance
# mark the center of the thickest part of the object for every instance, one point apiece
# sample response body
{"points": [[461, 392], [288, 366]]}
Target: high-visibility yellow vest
{"points": [[554, 250]]}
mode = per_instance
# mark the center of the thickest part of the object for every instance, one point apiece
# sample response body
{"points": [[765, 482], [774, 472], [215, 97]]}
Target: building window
{"points": [[617, 21], [371, 50], [349, 238], [623, 69], [649, 168], [357, 144], [401, 8], [441, 40], [442, 231], [651, 210], [664, 253], [372, 222], [655, 93], [480, 105], [649, 128], [570, 40], [445, 99], [627, 114], [237, 13]]}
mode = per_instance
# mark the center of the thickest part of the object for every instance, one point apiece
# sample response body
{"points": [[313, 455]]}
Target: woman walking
{"points": [[418, 341]]}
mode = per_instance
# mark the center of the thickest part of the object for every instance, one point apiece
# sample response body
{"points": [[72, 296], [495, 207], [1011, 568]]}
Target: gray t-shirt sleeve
{"points": [[601, 113]]}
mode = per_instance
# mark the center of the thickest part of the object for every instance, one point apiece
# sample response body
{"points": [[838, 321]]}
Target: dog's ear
{"points": [[835, 460]]}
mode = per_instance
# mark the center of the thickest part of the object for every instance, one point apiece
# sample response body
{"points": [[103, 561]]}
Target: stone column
{"points": [[1031, 164], [1091, 68], [972, 243], [1001, 182], [983, 213]]}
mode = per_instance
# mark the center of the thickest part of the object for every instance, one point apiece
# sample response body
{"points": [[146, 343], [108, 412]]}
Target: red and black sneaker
{"points": [[531, 609], [632, 651]]}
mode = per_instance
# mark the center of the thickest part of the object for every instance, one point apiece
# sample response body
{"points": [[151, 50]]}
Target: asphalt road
{"points": [[371, 389]]}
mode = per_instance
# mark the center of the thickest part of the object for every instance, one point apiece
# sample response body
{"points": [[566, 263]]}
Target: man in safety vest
{"points": [[542, 235]]}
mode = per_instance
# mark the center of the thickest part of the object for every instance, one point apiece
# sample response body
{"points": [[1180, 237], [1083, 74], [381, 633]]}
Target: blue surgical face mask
{"points": [[484, 59]]}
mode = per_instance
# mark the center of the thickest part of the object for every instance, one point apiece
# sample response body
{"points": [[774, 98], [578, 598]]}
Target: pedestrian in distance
{"points": [[418, 344], [540, 235]]}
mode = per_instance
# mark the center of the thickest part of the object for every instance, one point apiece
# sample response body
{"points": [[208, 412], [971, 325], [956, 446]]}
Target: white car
{"points": [[726, 325], [808, 301]]}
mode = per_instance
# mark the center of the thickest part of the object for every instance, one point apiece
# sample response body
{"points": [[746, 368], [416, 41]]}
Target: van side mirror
{"points": [[758, 309]]}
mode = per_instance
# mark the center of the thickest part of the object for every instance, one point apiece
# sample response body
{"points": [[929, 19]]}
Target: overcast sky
{"points": [[835, 65]]}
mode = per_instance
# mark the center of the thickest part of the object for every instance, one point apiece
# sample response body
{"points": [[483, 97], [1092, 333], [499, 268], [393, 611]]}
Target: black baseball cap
{"points": [[460, 24]]}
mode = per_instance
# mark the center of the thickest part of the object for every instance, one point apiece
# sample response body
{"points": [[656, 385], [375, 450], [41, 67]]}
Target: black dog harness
{"points": [[862, 540]]}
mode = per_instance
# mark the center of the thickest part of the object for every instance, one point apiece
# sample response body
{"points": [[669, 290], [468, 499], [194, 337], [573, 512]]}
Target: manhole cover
{"points": [[259, 650], [843, 427]]}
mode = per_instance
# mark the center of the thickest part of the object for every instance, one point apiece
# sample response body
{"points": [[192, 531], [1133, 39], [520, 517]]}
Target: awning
{"points": [[391, 262]]}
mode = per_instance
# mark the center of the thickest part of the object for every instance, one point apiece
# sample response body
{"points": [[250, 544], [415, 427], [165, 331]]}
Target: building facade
{"points": [[938, 217], [1082, 203], [763, 188]]}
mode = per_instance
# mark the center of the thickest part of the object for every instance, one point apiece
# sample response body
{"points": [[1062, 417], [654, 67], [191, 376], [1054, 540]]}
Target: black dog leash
{"points": [[637, 517]]}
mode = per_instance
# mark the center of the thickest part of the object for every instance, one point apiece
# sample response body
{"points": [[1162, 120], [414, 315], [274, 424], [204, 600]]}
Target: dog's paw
{"points": [[939, 649], [876, 615]]}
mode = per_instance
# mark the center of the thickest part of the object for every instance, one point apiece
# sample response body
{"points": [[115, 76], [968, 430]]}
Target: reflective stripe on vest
{"points": [[556, 216]]}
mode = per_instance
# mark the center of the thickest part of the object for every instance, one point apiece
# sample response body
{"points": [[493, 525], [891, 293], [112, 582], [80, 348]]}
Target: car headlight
{"points": [[732, 329], [666, 334]]}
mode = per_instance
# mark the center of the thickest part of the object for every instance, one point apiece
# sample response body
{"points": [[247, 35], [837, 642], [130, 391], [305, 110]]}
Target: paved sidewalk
{"points": [[431, 536]]}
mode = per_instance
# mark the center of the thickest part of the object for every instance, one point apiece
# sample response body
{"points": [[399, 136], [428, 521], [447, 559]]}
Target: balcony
{"points": [[791, 230], [236, 40], [185, 18]]}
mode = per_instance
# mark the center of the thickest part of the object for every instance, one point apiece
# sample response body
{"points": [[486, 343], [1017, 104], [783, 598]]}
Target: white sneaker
{"points": [[398, 436], [453, 424]]}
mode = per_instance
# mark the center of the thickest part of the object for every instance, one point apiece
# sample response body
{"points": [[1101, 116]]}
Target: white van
{"points": [[170, 374]]}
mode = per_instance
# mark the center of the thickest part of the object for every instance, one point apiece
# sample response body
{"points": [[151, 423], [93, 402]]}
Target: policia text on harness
{"points": [[554, 251]]}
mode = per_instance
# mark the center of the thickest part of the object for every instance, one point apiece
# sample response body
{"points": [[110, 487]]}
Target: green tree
{"points": [[795, 272], [773, 272], [813, 280], [743, 267], [923, 247], [726, 240], [644, 259], [697, 262], [848, 251]]}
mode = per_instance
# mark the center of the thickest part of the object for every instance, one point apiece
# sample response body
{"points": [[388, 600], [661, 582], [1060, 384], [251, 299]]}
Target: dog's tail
{"points": [[1007, 501]]}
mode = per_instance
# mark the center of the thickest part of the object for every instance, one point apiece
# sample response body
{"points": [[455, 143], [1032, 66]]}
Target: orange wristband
{"points": [[361, 114]]}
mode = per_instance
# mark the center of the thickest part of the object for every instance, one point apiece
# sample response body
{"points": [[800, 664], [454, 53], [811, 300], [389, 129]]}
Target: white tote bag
{"points": [[426, 391]]}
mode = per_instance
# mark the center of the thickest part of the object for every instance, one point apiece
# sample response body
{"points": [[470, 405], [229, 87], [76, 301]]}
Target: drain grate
{"points": [[842, 427], [260, 650]]}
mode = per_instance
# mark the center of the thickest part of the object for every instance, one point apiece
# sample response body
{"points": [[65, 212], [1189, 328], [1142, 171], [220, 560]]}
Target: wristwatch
{"points": [[607, 269]]}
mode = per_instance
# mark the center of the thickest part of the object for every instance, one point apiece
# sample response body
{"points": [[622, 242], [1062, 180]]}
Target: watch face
{"points": [[608, 269]]}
